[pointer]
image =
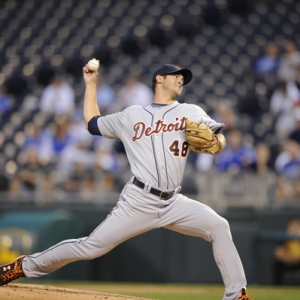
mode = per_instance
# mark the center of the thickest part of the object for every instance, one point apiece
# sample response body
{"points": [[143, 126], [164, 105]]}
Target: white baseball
{"points": [[93, 65]]}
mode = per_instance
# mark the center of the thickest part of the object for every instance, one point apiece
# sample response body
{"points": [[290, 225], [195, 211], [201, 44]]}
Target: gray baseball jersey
{"points": [[154, 139], [155, 143]]}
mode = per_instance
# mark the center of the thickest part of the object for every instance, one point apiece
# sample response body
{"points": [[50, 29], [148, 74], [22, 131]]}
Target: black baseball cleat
{"points": [[12, 271], [244, 295]]}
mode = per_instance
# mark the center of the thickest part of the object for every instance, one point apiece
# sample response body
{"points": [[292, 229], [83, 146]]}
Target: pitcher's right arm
{"points": [[90, 106]]}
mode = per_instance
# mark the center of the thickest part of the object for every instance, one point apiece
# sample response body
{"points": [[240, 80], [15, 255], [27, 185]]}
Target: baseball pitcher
{"points": [[157, 139]]}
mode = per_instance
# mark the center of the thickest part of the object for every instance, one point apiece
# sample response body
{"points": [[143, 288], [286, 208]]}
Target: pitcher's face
{"points": [[173, 84]]}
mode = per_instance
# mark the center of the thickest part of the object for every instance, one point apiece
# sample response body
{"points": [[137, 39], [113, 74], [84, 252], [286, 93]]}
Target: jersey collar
{"points": [[160, 105]]}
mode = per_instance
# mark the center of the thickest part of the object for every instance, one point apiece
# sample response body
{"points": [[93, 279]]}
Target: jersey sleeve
{"points": [[111, 126], [216, 127], [202, 116], [93, 126]]}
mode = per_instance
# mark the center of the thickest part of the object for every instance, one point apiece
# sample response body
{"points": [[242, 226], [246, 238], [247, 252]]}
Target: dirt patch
{"points": [[43, 292]]}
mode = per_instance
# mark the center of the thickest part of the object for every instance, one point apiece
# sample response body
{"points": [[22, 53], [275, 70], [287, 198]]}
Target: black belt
{"points": [[160, 194]]}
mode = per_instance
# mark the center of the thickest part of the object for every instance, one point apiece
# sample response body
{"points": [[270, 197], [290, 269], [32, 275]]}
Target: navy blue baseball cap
{"points": [[172, 69]]}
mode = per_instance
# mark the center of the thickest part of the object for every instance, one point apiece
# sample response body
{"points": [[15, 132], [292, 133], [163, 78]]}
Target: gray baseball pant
{"points": [[136, 212]]}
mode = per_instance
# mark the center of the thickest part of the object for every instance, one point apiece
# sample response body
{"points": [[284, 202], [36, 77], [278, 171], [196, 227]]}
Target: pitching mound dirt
{"points": [[43, 292]]}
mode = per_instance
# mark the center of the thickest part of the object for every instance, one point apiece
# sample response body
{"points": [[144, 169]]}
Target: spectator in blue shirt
{"points": [[269, 62], [237, 155]]}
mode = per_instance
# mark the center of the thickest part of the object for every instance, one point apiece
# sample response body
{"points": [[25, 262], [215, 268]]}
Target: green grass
{"points": [[178, 291]]}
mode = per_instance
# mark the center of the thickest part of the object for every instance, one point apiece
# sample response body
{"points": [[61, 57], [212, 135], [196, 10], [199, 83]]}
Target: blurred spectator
{"points": [[269, 62], [34, 136], [288, 160], [134, 92], [77, 131], [108, 163], [287, 255], [295, 134], [74, 152], [74, 168], [32, 177], [287, 165], [289, 68], [105, 155], [263, 165], [54, 139], [79, 181], [225, 114], [60, 136], [285, 98], [58, 97], [38, 139], [5, 105], [237, 155], [105, 97]]}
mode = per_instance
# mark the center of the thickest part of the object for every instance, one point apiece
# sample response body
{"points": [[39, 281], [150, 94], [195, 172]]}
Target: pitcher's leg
{"points": [[122, 224], [194, 218]]}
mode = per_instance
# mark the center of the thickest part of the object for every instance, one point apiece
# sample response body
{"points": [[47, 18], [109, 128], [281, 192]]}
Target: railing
{"points": [[218, 190]]}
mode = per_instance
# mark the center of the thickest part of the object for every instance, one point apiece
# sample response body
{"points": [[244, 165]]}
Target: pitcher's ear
{"points": [[159, 78]]}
